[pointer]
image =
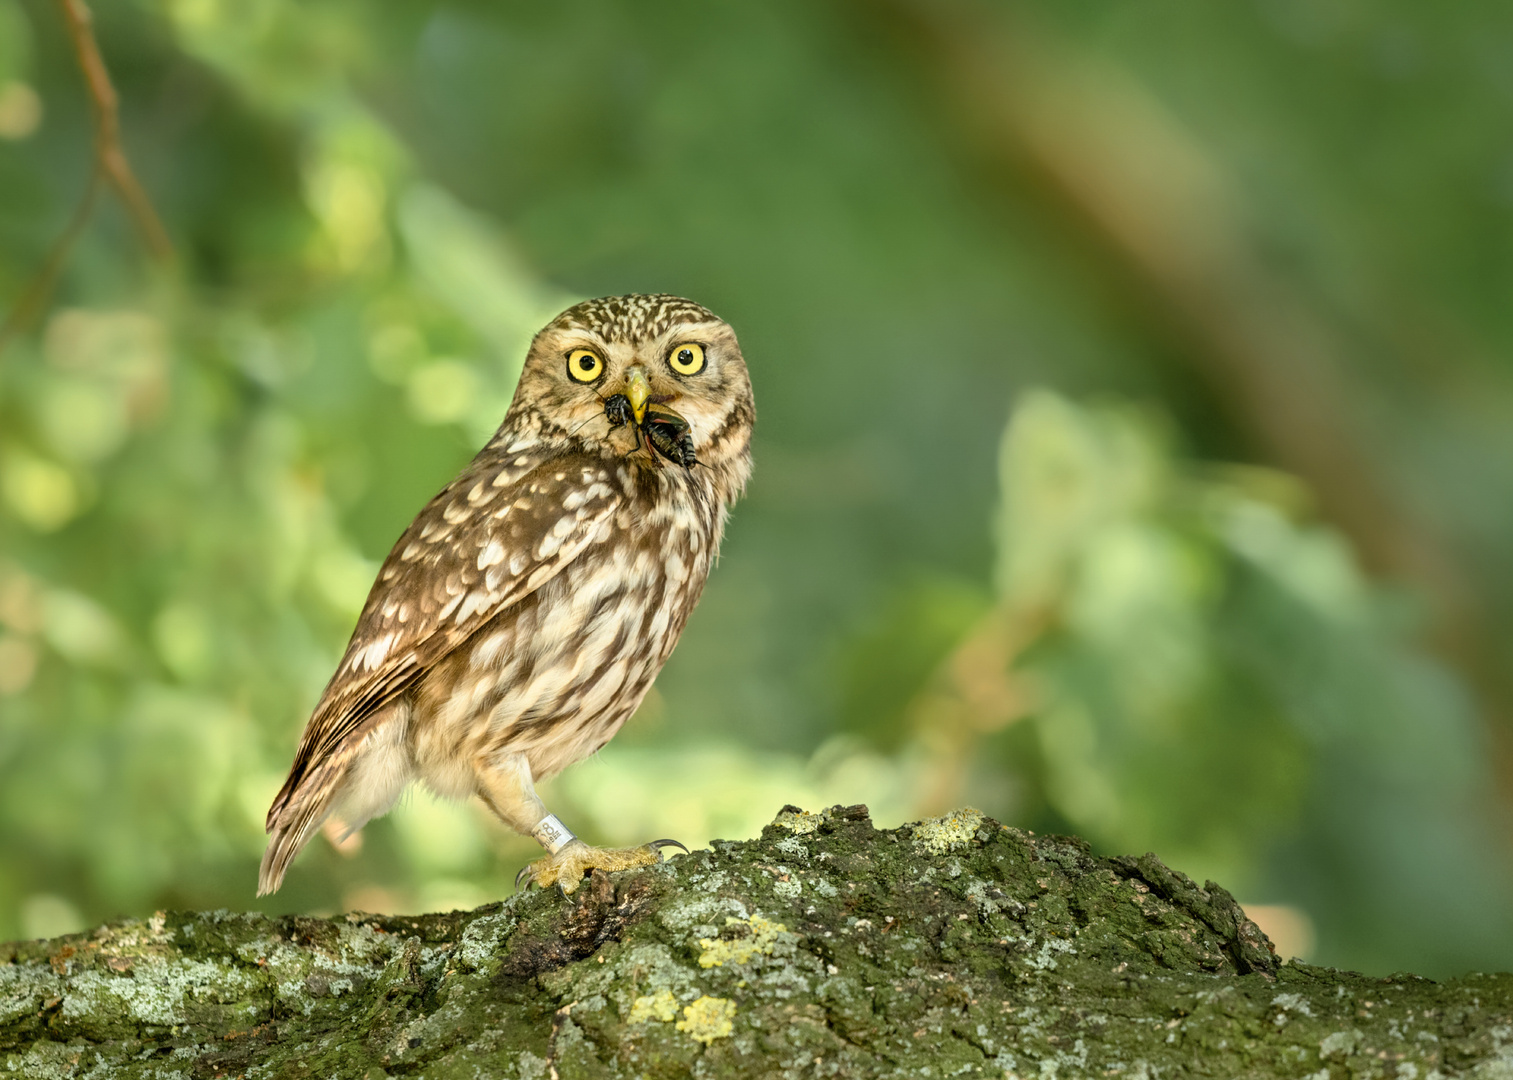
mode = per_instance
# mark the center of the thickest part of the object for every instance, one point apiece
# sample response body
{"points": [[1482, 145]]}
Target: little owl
{"points": [[524, 613]]}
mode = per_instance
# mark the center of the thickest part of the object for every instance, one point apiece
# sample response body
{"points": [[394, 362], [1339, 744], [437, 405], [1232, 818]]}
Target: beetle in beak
{"points": [[668, 433]]}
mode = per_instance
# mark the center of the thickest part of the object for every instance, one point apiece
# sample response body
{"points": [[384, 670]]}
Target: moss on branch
{"points": [[825, 948]]}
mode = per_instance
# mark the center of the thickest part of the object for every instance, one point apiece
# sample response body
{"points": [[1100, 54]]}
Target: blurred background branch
{"points": [[1158, 210], [110, 167]]}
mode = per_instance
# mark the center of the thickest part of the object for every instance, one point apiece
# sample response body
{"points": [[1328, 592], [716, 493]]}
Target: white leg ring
{"points": [[552, 834]]}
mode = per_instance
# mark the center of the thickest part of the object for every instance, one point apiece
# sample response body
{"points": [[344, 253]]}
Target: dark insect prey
{"points": [[668, 433]]}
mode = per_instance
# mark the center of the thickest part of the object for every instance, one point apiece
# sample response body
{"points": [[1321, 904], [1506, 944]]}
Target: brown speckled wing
{"points": [[506, 526]]}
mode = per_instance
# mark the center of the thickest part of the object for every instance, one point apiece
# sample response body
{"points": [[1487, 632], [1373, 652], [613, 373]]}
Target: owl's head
{"points": [[653, 352]]}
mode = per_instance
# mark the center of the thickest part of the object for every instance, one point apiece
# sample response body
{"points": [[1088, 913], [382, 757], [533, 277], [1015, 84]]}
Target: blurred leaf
{"points": [[15, 42], [1169, 723]]}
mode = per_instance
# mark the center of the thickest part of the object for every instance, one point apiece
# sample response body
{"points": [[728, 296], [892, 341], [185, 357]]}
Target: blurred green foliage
{"points": [[1230, 585]]}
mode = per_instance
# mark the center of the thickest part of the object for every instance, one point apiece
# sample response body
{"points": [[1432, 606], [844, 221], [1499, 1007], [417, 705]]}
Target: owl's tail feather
{"points": [[290, 831], [285, 793]]}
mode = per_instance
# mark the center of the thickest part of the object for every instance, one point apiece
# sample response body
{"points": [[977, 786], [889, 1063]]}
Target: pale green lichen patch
{"points": [[482, 940], [690, 912], [1339, 1044], [633, 972], [162, 994], [708, 1019], [1292, 1003], [793, 848], [949, 832], [753, 937], [661, 1007], [801, 822], [1044, 959]]}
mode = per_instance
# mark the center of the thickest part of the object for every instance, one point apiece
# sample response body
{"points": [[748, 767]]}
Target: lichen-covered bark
{"points": [[824, 948]]}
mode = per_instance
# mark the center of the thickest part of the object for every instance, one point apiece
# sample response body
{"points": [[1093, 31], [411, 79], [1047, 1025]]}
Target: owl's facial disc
{"points": [[653, 363]]}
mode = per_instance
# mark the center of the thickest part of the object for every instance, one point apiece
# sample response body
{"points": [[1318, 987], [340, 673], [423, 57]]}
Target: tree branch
{"points": [[110, 155], [954, 948]]}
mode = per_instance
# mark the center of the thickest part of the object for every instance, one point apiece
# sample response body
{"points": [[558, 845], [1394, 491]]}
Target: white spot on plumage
{"points": [[605, 688], [377, 649], [491, 555], [476, 601], [457, 512], [487, 650]]}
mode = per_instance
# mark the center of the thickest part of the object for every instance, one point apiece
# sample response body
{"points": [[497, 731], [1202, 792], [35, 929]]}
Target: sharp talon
{"points": [[525, 872], [658, 845]]}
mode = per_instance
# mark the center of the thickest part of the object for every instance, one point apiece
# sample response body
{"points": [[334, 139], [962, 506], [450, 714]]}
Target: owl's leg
{"points": [[507, 787]]}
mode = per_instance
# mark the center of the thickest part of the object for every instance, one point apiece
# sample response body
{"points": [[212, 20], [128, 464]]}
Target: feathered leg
{"points": [[506, 785]]}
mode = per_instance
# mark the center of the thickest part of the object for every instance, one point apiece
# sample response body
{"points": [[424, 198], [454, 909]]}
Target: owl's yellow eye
{"points": [[686, 359], [584, 365]]}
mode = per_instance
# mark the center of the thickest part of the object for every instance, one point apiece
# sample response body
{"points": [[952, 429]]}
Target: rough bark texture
{"points": [[827, 948]]}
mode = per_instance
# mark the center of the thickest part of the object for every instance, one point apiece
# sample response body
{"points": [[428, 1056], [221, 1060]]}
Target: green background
{"points": [[1134, 456]]}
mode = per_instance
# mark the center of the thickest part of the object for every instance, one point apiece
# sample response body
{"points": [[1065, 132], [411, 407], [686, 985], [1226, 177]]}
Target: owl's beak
{"points": [[637, 389]]}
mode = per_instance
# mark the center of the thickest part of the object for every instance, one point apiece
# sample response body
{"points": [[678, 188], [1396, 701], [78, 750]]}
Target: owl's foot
{"points": [[566, 868]]}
